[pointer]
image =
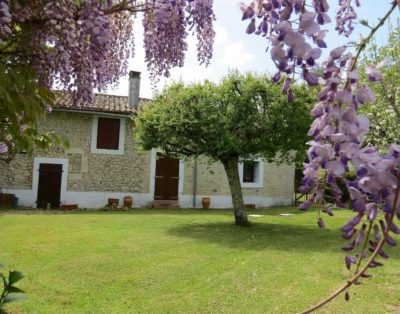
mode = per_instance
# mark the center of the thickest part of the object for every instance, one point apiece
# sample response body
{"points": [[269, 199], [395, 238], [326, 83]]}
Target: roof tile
{"points": [[101, 103]]}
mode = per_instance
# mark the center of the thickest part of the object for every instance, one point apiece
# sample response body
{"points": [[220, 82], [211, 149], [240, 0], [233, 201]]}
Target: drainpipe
{"points": [[194, 182]]}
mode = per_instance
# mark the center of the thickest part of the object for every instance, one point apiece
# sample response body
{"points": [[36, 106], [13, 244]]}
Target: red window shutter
{"points": [[108, 133]]}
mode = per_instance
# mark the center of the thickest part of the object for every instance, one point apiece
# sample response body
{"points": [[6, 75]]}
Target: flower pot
{"points": [[113, 201], [205, 201], [128, 201]]}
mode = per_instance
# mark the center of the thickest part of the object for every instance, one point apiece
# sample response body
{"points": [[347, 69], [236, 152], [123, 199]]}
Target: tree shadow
{"points": [[275, 211], [262, 236]]}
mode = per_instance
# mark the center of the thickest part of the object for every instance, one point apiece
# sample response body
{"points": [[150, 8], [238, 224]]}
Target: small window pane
{"points": [[108, 133], [249, 168]]}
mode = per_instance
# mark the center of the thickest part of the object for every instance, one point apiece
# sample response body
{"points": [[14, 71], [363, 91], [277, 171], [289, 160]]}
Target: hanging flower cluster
{"points": [[293, 28], [165, 24], [82, 45]]}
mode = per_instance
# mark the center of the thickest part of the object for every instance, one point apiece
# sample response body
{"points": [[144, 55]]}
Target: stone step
{"points": [[165, 204]]}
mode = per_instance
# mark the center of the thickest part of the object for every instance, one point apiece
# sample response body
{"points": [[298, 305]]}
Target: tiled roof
{"points": [[101, 103]]}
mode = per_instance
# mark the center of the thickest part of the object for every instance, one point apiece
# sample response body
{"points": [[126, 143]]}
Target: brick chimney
{"points": [[134, 89]]}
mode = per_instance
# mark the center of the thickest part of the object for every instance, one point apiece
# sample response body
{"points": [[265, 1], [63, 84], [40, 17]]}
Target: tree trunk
{"points": [[232, 171]]}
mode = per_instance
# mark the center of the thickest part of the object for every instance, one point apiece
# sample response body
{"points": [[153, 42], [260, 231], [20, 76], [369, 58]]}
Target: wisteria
{"points": [[166, 23], [294, 30], [82, 45], [79, 46]]}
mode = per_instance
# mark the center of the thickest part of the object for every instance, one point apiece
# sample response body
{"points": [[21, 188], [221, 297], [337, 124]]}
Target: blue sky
{"points": [[235, 49]]}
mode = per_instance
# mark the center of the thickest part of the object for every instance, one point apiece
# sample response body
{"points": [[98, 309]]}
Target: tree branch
{"points": [[124, 6], [367, 40]]}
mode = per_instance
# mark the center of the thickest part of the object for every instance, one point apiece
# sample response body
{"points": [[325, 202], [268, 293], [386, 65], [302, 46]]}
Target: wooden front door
{"points": [[49, 186], [166, 179]]}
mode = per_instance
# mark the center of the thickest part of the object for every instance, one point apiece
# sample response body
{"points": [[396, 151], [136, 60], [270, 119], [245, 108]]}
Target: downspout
{"points": [[194, 182]]}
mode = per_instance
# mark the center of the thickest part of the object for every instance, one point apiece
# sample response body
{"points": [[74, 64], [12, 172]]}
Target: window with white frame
{"points": [[251, 173], [108, 135]]}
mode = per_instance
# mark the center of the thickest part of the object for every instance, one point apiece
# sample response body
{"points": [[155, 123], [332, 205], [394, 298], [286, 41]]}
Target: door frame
{"points": [[153, 160], [35, 177]]}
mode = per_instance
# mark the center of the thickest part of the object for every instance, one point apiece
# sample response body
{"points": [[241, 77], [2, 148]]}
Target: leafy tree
{"points": [[81, 45], [384, 113], [24, 104], [243, 117]]}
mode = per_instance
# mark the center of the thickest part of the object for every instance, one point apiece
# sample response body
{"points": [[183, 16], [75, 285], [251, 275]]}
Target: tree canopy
{"points": [[384, 112], [243, 117]]}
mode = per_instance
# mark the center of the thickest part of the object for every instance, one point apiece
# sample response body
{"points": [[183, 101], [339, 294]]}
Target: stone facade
{"points": [[277, 185], [91, 178], [87, 171]]}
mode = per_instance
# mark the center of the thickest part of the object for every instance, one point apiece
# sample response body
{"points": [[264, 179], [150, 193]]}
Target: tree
{"points": [[294, 29], [243, 117], [79, 45], [384, 113], [24, 105]]}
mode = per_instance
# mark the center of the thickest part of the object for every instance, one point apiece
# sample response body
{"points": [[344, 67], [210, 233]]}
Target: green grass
{"points": [[186, 261]]}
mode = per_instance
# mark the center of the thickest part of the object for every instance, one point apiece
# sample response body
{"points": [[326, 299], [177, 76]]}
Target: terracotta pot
{"points": [[205, 201], [128, 201], [113, 201]]}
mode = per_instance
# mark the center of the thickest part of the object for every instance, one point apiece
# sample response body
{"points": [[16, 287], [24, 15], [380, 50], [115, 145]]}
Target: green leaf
{"points": [[14, 277], [12, 289], [14, 298]]}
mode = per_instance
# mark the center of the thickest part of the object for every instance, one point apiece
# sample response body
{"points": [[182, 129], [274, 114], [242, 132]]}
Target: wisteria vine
{"points": [[294, 30], [166, 24], [79, 46], [82, 45]]}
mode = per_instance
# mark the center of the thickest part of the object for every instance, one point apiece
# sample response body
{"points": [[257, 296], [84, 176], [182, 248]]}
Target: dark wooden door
{"points": [[167, 179], [49, 186]]}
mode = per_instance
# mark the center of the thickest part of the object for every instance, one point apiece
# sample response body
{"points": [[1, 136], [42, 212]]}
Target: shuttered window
{"points": [[108, 133]]}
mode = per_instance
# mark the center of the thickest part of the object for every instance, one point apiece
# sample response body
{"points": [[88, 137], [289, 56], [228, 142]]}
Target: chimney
{"points": [[134, 89]]}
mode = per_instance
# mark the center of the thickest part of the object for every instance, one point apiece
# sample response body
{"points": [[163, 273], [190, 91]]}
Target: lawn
{"points": [[186, 261]]}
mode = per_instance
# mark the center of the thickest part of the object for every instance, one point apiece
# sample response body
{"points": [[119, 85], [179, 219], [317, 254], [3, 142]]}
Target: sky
{"points": [[234, 49]]}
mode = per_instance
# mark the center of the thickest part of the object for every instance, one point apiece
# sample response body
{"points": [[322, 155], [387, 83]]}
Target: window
{"points": [[251, 173], [249, 169], [108, 135]]}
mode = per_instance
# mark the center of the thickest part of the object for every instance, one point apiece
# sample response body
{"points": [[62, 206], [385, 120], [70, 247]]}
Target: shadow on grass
{"points": [[152, 211], [287, 237]]}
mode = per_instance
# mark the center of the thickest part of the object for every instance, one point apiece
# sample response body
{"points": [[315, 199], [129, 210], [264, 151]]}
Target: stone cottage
{"points": [[104, 162]]}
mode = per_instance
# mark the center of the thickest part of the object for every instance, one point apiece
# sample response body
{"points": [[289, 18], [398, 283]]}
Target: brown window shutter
{"points": [[108, 133]]}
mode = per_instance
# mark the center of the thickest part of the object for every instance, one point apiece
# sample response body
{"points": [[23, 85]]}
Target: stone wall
{"points": [[211, 180], [16, 174], [87, 171]]}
